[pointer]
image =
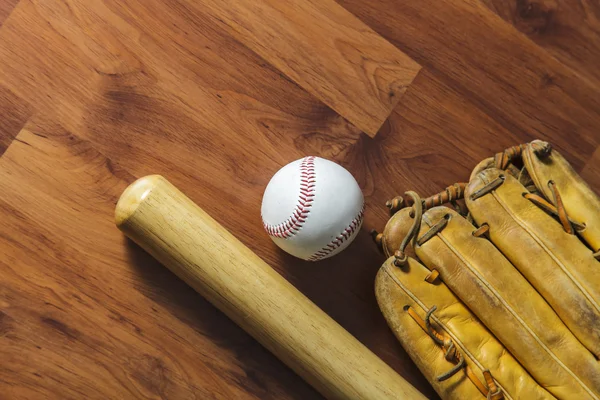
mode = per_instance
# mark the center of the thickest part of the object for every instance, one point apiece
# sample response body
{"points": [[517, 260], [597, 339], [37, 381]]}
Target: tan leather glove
{"points": [[501, 300]]}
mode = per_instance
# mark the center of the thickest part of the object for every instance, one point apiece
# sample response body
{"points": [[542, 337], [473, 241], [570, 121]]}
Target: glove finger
{"points": [[548, 168], [507, 304], [395, 231], [557, 264], [405, 295]]}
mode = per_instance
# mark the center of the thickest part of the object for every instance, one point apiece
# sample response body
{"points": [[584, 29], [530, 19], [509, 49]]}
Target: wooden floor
{"points": [[216, 96]]}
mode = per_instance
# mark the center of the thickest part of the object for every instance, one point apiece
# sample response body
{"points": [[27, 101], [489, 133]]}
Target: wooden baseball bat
{"points": [[178, 233]]}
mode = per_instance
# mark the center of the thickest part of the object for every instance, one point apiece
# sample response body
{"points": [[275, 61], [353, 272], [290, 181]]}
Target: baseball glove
{"points": [[499, 296]]}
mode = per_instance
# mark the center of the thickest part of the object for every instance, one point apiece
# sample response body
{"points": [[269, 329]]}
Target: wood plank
{"points": [[6, 6], [193, 119], [138, 87], [157, 88], [326, 50], [116, 53], [567, 29], [14, 112], [109, 321], [510, 78]]}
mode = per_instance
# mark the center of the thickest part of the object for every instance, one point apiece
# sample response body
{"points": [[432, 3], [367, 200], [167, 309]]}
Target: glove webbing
{"points": [[502, 160], [506, 157], [449, 195], [452, 354]]}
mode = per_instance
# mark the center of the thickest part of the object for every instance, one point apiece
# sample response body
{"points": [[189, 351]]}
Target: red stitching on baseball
{"points": [[339, 240], [292, 225]]}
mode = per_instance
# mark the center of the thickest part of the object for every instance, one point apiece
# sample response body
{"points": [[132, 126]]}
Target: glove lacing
{"points": [[417, 213], [451, 353]]}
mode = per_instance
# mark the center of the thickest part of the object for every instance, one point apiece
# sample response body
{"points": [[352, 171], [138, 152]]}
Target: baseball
{"points": [[312, 208]]}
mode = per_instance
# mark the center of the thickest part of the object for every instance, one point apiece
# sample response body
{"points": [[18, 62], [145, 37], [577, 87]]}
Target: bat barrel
{"points": [[178, 233]]}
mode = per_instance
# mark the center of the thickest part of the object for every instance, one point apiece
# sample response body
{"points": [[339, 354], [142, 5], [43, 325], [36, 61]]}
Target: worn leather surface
{"points": [[523, 302], [509, 306], [581, 203], [556, 263], [397, 288], [395, 230]]}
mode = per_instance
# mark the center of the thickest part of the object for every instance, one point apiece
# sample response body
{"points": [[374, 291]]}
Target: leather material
{"points": [[509, 306], [517, 294], [395, 230], [556, 263], [484, 164], [580, 201], [397, 288]]}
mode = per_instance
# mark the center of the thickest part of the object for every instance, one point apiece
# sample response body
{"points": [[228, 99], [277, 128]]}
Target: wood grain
{"points": [[204, 119], [15, 112], [109, 320], [335, 56], [122, 89], [510, 78], [6, 7], [200, 121], [567, 29]]}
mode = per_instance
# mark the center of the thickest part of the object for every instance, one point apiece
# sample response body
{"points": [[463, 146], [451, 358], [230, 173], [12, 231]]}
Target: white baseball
{"points": [[312, 208]]}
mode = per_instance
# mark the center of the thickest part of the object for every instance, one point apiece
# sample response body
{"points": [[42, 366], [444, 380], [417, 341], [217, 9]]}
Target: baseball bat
{"points": [[178, 233]]}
